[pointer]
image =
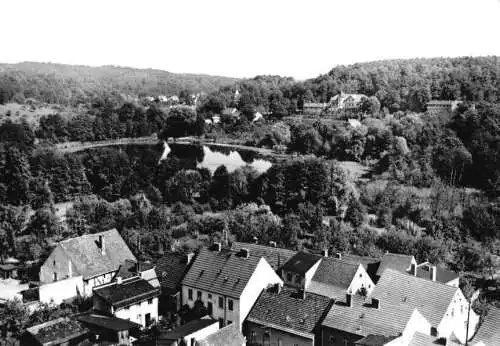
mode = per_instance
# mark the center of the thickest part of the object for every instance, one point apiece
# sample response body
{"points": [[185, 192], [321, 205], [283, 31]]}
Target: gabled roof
{"points": [[301, 262], [85, 253], [108, 322], [370, 264], [442, 275], [275, 256], [363, 319], [288, 310], [188, 328], [225, 272], [333, 277], [430, 297], [374, 340], [170, 270], [57, 331], [227, 336], [395, 261], [489, 330], [127, 292]]}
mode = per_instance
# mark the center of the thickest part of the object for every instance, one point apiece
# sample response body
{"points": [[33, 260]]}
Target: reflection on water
{"points": [[211, 158]]}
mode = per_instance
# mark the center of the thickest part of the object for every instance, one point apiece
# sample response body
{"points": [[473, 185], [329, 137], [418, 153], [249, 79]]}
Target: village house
{"points": [[62, 331], [190, 333], [488, 333], [274, 255], [286, 317], [227, 336], [346, 101], [170, 270], [227, 282], [298, 271], [335, 277], [77, 265], [133, 299], [313, 108], [107, 329], [399, 262], [442, 106]]}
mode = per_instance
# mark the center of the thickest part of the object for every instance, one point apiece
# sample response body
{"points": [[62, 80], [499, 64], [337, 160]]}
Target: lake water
{"points": [[213, 157]]}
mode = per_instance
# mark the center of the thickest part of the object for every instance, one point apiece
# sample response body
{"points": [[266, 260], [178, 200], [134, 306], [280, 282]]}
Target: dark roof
{"points": [[301, 262], [227, 336], [489, 332], [370, 264], [170, 270], [57, 331], [130, 268], [275, 256], [128, 292], [188, 328], [225, 272], [374, 340], [442, 275], [107, 322], [288, 310], [333, 277], [86, 255], [431, 298], [363, 319], [394, 261]]}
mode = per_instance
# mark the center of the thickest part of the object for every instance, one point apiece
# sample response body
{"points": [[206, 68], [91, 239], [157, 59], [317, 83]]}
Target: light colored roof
{"points": [[275, 256], [420, 339], [227, 336], [333, 277], [489, 330], [225, 272], [431, 298], [363, 319], [86, 255], [395, 261], [442, 275], [289, 310]]}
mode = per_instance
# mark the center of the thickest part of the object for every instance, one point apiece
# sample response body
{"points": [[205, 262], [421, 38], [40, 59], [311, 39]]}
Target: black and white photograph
{"points": [[250, 173]]}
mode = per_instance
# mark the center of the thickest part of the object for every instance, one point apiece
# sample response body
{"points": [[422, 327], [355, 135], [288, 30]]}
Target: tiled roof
{"points": [[188, 328], [275, 256], [431, 298], [301, 262], [363, 319], [128, 292], [170, 270], [442, 275], [370, 264], [227, 336], [394, 261], [57, 331], [420, 339], [107, 322], [225, 272], [86, 255], [489, 330], [374, 340], [333, 277], [289, 310]]}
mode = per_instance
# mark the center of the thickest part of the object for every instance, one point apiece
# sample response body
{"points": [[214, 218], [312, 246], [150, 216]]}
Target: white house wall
{"points": [[137, 312], [58, 291]]}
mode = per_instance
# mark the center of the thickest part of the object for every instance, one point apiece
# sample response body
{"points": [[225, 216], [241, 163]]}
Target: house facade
{"points": [[346, 101], [227, 283]]}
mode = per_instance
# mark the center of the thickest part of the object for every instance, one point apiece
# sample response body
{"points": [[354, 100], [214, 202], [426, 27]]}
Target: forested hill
{"points": [[402, 84], [72, 84]]}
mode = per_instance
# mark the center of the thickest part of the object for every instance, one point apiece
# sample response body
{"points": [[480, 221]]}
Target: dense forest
{"points": [[431, 187], [71, 85]]}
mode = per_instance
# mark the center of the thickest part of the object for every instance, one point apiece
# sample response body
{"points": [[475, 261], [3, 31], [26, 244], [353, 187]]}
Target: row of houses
{"points": [[264, 295]]}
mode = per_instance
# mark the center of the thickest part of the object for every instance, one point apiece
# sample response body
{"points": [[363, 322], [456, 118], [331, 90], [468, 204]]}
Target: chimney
{"points": [[324, 252], [413, 269], [244, 252], [338, 255], [272, 243], [278, 288], [348, 299], [376, 303], [189, 257], [432, 271], [217, 246], [102, 245]]}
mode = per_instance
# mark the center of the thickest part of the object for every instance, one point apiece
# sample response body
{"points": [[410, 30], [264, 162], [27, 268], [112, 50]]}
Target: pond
{"points": [[211, 157]]}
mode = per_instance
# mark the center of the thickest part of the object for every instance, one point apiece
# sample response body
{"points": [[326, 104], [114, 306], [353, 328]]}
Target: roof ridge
{"points": [[86, 235], [423, 279]]}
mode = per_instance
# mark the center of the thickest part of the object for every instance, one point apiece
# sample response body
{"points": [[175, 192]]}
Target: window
{"points": [[434, 331], [54, 263], [55, 276], [221, 302], [198, 295], [230, 304], [209, 296], [190, 294], [221, 322], [150, 301], [252, 336], [229, 322]]}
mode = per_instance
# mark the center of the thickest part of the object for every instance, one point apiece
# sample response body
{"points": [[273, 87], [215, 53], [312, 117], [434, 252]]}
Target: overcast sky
{"points": [[236, 38]]}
